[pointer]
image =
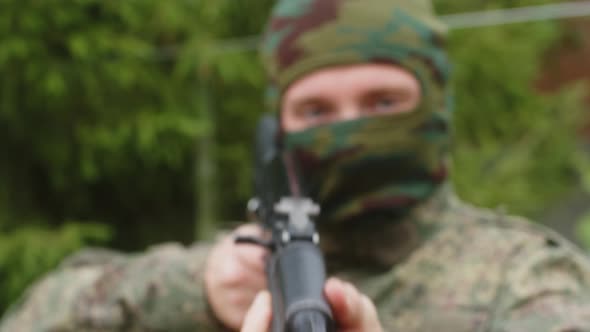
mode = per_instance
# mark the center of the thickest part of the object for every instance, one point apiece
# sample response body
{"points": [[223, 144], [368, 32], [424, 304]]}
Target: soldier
{"points": [[361, 87]]}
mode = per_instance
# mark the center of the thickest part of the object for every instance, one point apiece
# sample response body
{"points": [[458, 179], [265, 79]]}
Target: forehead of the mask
{"points": [[305, 35]]}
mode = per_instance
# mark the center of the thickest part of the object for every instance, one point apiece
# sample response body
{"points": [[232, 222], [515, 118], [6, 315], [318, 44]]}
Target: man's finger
{"points": [[352, 310], [259, 315], [345, 301], [336, 295]]}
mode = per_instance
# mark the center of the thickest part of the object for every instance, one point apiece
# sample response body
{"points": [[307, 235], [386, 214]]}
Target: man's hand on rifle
{"points": [[353, 311], [234, 275]]}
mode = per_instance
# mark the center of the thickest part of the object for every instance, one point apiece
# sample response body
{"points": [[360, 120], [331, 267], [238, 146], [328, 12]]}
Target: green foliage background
{"points": [[102, 121]]}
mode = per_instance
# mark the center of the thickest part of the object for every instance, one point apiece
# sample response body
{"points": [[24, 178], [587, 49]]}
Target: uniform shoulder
{"points": [[497, 224], [90, 257], [530, 250], [97, 256], [493, 257], [94, 285]]}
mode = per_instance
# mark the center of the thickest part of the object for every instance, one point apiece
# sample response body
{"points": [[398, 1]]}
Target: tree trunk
{"points": [[205, 166]]}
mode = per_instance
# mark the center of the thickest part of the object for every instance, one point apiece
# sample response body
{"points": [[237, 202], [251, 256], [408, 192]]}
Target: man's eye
{"points": [[384, 105], [314, 112]]}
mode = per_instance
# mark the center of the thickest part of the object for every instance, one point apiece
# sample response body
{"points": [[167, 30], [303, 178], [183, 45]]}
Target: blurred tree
{"points": [[514, 143], [100, 109], [99, 118]]}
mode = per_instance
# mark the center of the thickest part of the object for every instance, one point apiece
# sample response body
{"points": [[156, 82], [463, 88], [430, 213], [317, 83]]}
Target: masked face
{"points": [[369, 140], [347, 93]]}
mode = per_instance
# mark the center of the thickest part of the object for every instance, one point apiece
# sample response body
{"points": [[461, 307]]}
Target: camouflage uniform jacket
{"points": [[476, 270]]}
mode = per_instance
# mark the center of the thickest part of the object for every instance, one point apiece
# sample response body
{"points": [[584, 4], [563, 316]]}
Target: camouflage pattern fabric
{"points": [[374, 168], [159, 290], [305, 35], [477, 270]]}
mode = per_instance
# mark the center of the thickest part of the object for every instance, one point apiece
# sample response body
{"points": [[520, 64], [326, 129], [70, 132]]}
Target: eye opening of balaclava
{"points": [[375, 167]]}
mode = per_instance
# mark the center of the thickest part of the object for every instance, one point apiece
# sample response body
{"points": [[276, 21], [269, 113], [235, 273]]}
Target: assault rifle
{"points": [[295, 269]]}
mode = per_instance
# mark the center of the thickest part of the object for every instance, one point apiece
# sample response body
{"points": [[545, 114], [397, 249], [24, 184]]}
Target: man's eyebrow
{"points": [[397, 91], [303, 101]]}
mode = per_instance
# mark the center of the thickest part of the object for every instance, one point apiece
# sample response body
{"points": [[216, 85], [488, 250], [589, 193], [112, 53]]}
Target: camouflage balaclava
{"points": [[372, 168]]}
